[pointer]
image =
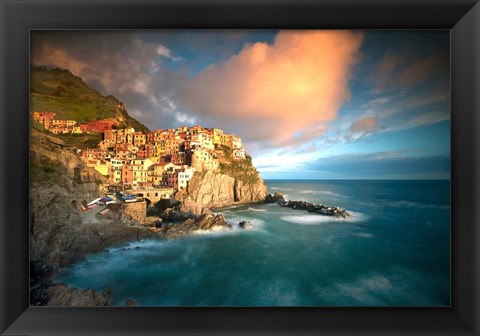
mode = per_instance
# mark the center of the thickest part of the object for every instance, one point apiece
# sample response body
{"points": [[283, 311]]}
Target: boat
{"points": [[105, 200], [126, 197], [129, 198], [95, 201]]}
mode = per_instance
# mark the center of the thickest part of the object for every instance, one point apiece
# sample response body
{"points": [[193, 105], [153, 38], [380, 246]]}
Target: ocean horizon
{"points": [[394, 250]]}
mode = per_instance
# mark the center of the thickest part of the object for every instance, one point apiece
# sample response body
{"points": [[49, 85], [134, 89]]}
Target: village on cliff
{"points": [[153, 165]]}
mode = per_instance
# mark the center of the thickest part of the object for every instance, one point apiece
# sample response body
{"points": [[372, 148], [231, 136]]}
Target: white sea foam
{"points": [[364, 235], [256, 209], [307, 219], [399, 204], [228, 207], [278, 188], [356, 217], [320, 192], [314, 219]]}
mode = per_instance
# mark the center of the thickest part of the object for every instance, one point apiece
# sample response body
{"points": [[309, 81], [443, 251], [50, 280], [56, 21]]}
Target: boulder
{"points": [[269, 199], [131, 303], [278, 197], [245, 225], [205, 222]]}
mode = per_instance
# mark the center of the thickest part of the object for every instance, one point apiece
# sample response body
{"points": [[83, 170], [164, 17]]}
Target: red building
{"points": [[142, 154], [99, 125], [127, 174]]}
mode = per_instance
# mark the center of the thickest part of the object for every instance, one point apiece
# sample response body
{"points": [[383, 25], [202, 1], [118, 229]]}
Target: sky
{"points": [[321, 104]]}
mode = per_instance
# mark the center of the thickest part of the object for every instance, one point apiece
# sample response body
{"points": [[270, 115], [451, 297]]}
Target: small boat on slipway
{"points": [[126, 197]]}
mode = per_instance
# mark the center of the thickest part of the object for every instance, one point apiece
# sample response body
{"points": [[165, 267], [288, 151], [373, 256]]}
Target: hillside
{"points": [[57, 90]]}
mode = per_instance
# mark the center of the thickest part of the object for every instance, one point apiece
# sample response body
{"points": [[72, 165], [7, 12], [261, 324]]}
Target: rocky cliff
{"points": [[212, 189], [59, 233]]}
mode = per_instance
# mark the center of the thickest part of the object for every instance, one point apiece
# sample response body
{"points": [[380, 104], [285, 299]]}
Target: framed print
{"points": [[240, 168]]}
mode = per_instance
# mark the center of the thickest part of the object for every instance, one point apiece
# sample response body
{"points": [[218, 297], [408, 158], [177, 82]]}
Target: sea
{"points": [[394, 250]]}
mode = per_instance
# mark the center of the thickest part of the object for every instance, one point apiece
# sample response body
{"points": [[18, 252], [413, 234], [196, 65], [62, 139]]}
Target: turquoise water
{"points": [[393, 251]]}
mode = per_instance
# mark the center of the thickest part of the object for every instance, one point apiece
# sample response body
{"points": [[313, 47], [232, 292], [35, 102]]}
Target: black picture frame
{"points": [[17, 17]]}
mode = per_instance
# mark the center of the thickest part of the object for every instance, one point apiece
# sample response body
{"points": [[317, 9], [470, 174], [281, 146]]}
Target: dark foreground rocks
{"points": [[207, 222], [316, 208], [245, 225], [60, 295], [277, 197]]}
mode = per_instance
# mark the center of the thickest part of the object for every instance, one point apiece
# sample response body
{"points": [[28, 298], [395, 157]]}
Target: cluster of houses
{"points": [[160, 159], [65, 126]]}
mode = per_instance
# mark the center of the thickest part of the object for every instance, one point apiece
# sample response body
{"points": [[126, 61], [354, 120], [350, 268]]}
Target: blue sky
{"points": [[323, 104]]}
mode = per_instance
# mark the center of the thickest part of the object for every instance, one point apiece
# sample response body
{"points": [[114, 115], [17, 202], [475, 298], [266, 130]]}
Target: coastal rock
{"points": [[245, 192], [176, 215], [269, 199], [316, 208], [211, 189], [63, 296], [205, 222], [60, 233], [131, 303], [278, 197], [245, 225], [275, 198]]}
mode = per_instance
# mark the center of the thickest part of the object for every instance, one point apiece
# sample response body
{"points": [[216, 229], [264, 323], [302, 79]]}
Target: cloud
{"points": [[387, 67], [364, 125], [402, 70], [419, 71], [165, 52], [117, 63], [277, 93]]}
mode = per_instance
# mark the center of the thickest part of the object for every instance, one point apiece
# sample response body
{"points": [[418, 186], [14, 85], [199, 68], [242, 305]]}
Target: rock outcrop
{"points": [[276, 198], [59, 234], [63, 296], [316, 208], [245, 225], [207, 221], [211, 189]]}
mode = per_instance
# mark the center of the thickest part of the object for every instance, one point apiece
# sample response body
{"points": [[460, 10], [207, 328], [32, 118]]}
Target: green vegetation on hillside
{"points": [[59, 91], [240, 169], [82, 141]]}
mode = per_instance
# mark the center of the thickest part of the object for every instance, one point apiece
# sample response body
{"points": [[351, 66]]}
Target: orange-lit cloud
{"points": [[282, 92], [368, 124]]}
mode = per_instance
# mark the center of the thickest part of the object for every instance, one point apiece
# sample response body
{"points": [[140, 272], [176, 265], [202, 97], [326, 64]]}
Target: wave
{"points": [[142, 244], [400, 204], [320, 192], [307, 219], [256, 209], [279, 188], [314, 219], [228, 207], [375, 289], [363, 235]]}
